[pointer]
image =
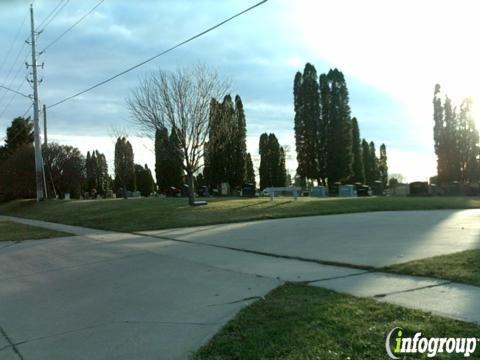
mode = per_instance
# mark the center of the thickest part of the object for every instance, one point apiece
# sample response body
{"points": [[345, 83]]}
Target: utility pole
{"points": [[39, 170], [45, 141]]}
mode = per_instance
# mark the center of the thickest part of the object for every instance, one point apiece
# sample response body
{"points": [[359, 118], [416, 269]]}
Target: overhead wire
{"points": [[72, 26], [158, 55]]}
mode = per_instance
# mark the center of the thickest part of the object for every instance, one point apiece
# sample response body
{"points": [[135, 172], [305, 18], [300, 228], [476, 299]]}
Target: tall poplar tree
{"points": [[272, 162], [249, 170], [307, 122], [368, 163], [339, 130], [383, 166], [124, 165], [357, 166], [438, 134]]}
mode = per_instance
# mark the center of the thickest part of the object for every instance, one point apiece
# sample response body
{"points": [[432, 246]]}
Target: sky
{"points": [[392, 54]]}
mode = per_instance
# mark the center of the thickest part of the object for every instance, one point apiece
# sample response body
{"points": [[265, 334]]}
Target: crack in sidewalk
{"points": [[12, 345], [412, 290], [258, 252], [239, 301], [308, 282]]}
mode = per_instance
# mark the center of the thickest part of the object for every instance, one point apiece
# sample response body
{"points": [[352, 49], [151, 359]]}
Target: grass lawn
{"points": [[158, 213], [460, 267], [10, 231], [302, 322]]}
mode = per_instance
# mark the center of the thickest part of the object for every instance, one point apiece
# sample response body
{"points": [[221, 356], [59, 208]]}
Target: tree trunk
{"points": [[191, 190]]}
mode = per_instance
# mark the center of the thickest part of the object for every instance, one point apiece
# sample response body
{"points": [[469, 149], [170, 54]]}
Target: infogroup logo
{"points": [[397, 344]]}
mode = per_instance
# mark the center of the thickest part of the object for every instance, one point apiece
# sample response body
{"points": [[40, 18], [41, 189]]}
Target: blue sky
{"points": [[391, 55]]}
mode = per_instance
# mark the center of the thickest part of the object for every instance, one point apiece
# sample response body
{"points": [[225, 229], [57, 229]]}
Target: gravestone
{"points": [[400, 190], [347, 191], [419, 188], [224, 189], [318, 191]]}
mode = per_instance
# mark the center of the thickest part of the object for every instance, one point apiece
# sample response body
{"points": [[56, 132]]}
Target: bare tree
{"points": [[179, 100]]}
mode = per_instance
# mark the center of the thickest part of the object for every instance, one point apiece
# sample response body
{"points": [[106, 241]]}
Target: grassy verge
{"points": [[460, 267], [302, 322], [10, 231], [151, 214]]}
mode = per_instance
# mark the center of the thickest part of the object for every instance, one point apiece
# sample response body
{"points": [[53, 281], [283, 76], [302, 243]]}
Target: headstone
{"points": [[419, 188], [377, 188], [318, 191], [347, 191], [67, 196], [224, 189], [363, 190], [400, 190]]}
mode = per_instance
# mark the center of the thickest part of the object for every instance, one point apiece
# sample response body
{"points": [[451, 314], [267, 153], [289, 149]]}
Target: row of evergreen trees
{"points": [[327, 138], [456, 141], [225, 154]]}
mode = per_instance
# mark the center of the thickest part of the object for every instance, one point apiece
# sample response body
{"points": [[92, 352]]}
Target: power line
{"points": [[15, 91], [71, 27], [43, 27], [12, 98], [49, 15], [13, 42], [158, 55], [11, 69], [12, 80]]}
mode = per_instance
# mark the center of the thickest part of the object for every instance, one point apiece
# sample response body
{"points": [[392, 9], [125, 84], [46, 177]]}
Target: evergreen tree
{"points": [[307, 122], [272, 162], [103, 178], [250, 171], [168, 160], [162, 159], [438, 134], [299, 125], [450, 144], [339, 130], [225, 152], [264, 169], [97, 173], [323, 131], [144, 180], [374, 162], [468, 141], [176, 159], [368, 163], [282, 170], [240, 146], [124, 166], [383, 165], [357, 166], [19, 133]]}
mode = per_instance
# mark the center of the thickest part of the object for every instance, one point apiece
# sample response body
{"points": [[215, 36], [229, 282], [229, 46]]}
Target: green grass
{"points": [[302, 322], [10, 231], [459, 267], [157, 213]]}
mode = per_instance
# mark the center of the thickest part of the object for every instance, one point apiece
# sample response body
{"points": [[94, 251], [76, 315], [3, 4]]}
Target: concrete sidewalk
{"points": [[104, 294]]}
